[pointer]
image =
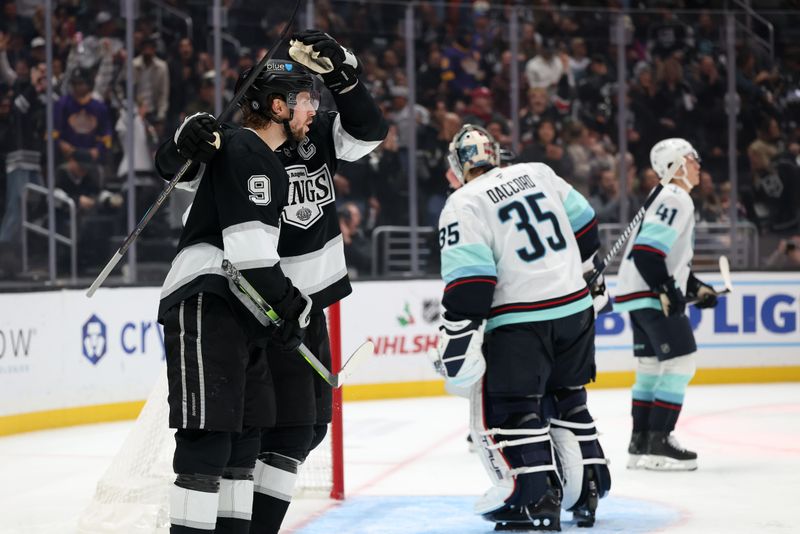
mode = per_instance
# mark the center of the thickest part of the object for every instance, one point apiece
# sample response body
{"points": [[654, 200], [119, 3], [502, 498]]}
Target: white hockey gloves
{"points": [[321, 54], [459, 356], [198, 137], [600, 297]]}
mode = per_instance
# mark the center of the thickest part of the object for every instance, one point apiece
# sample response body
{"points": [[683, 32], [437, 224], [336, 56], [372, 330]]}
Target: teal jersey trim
{"points": [[638, 304], [467, 260], [540, 315], [578, 210], [656, 235]]}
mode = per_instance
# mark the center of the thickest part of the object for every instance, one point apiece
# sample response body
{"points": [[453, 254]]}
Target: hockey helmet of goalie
{"points": [[280, 77], [472, 147], [668, 157]]}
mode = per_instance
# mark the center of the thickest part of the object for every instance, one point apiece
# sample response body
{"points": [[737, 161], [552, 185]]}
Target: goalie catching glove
{"points": [[198, 137], [703, 294], [459, 356], [321, 54]]}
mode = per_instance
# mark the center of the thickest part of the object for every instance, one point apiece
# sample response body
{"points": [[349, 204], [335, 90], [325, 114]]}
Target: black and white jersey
{"points": [[311, 246], [235, 216]]}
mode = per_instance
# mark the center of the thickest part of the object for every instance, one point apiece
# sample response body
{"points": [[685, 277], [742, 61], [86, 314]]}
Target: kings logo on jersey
{"points": [[308, 194]]}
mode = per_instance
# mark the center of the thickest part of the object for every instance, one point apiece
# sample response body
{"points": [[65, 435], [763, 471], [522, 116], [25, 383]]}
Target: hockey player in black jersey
{"points": [[310, 245], [218, 392]]}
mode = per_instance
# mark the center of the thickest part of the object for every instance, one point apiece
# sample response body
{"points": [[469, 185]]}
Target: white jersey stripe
{"points": [[348, 148], [252, 243], [200, 376], [190, 263], [183, 366], [316, 270]]}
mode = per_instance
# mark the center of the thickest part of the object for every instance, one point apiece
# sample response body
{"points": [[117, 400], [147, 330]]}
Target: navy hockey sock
{"points": [[663, 416], [640, 410]]}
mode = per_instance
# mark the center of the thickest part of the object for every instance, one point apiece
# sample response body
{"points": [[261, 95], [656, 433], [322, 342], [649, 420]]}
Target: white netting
{"points": [[133, 494]]}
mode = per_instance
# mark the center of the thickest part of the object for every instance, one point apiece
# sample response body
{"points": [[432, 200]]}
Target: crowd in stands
{"points": [[676, 86]]}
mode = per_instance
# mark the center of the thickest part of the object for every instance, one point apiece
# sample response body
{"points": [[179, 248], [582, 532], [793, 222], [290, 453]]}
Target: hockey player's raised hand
{"points": [[198, 137], [672, 300], [323, 55]]}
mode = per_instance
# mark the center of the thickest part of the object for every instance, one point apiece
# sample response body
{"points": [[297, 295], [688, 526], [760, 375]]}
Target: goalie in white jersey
{"points": [[513, 241], [654, 276]]}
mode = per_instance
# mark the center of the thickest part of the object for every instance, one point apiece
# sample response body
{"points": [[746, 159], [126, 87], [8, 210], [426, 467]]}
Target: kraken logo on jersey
{"points": [[308, 194]]}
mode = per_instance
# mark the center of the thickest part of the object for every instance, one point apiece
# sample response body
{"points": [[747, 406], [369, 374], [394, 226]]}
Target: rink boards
{"points": [[66, 359]]}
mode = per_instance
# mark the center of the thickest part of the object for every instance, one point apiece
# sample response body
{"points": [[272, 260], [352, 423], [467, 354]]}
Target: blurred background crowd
{"points": [[566, 69]]}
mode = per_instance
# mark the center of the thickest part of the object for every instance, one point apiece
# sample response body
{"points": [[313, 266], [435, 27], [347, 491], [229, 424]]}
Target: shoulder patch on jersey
{"points": [[259, 188]]}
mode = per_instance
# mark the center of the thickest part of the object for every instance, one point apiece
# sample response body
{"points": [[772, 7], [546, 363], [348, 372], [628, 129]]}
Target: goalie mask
{"points": [[283, 78], [669, 156], [472, 147]]}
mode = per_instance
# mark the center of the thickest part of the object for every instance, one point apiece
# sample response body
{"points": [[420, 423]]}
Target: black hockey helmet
{"points": [[279, 76]]}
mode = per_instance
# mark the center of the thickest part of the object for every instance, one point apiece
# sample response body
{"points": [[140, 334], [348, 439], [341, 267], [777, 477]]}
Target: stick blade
{"points": [[353, 363], [725, 272]]}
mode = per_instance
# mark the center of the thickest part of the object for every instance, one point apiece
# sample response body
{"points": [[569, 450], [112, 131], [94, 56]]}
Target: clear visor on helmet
{"points": [[304, 101]]}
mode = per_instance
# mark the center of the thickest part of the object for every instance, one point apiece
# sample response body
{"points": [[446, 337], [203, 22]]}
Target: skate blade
{"points": [[537, 525], [636, 461], [664, 463]]}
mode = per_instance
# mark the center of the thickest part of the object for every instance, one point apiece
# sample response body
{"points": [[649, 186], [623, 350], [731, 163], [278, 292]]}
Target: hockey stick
{"points": [[725, 273], [336, 380], [151, 211], [623, 238]]}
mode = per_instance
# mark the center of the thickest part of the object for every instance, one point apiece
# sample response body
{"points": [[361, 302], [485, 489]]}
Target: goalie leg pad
{"points": [[515, 449], [584, 468]]}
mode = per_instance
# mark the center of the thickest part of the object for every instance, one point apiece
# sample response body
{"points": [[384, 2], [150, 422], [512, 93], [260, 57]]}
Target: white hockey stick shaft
{"points": [[336, 380]]}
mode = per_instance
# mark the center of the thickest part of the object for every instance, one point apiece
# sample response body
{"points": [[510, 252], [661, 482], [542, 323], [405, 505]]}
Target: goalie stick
{"points": [[336, 380], [162, 197]]}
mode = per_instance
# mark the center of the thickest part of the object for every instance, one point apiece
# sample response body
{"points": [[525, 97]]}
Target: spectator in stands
{"points": [[429, 77], [670, 35], [82, 123], [606, 202], [79, 180], [546, 149], [356, 244], [23, 143], [184, 80], [204, 102], [648, 180], [151, 78], [577, 144], [546, 67], [786, 256], [461, 66], [481, 108], [578, 59], [776, 183], [501, 86], [594, 93], [675, 102], [707, 204], [538, 109]]}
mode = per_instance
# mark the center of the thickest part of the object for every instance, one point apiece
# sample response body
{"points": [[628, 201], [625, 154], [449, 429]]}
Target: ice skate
{"points": [[637, 449], [664, 453], [544, 515]]}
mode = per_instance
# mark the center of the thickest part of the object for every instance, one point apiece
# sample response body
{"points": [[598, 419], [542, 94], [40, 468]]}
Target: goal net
{"points": [[133, 494]]}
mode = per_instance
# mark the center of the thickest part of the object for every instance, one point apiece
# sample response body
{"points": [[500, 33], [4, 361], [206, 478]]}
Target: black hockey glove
{"points": [[321, 54], [293, 309], [672, 300], [704, 294], [198, 137]]}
